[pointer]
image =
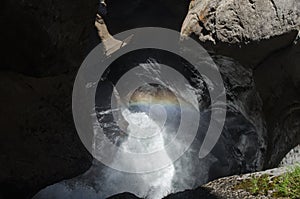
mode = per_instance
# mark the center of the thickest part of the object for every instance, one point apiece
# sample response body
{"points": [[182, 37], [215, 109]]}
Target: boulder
{"points": [[248, 31]]}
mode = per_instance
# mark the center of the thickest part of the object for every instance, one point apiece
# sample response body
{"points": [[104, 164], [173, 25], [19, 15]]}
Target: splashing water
{"points": [[153, 184], [151, 123], [147, 130]]}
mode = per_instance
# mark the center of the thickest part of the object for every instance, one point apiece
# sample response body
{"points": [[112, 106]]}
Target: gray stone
{"points": [[277, 80], [292, 158], [245, 30]]}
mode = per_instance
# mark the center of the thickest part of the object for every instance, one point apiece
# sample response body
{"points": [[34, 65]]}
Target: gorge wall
{"points": [[255, 43], [264, 36]]}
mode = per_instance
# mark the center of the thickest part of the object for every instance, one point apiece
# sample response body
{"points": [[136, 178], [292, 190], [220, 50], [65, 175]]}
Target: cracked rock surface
{"points": [[234, 21], [235, 28]]}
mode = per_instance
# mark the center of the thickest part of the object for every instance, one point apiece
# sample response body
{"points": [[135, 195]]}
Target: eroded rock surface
{"points": [[246, 30], [261, 35], [277, 80], [236, 21]]}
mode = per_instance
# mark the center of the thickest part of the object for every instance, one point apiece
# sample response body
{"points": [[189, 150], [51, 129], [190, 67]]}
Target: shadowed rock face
{"points": [[197, 193], [39, 144], [124, 196], [49, 39], [43, 43], [127, 14], [278, 80], [261, 35], [45, 37]]}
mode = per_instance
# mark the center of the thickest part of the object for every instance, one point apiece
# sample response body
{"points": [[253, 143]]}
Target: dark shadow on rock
{"points": [[127, 14], [124, 196], [193, 194], [278, 82], [188, 194]]}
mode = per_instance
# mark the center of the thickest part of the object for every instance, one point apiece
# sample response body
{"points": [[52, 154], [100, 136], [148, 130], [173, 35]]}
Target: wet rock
{"points": [[244, 124], [277, 80]]}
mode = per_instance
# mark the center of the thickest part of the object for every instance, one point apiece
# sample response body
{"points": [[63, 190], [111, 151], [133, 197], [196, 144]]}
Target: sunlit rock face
{"points": [[248, 31]]}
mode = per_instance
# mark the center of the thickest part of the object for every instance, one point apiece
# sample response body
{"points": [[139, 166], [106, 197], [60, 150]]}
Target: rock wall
{"points": [[45, 37], [39, 144], [43, 44], [277, 79], [262, 35], [45, 41]]}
